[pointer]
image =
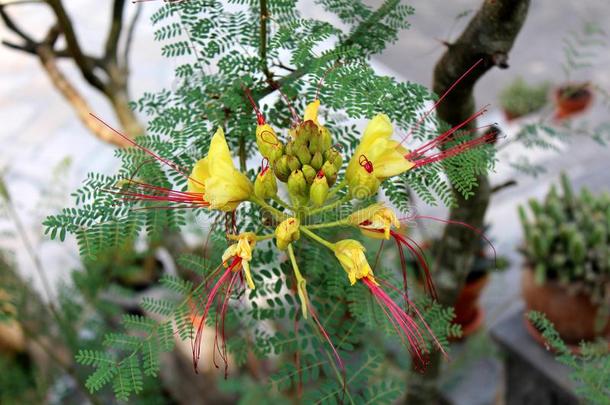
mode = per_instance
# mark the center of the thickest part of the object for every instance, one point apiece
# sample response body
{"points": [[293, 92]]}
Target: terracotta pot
{"points": [[573, 315], [468, 314], [570, 104]]}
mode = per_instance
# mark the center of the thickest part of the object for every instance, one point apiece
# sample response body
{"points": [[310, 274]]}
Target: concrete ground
{"points": [[45, 152]]}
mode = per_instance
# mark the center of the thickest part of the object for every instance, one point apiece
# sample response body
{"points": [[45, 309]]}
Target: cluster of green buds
{"points": [[568, 239], [307, 162]]}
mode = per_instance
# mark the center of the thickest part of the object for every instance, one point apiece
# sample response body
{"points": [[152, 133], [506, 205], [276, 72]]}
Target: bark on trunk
{"points": [[490, 35]]}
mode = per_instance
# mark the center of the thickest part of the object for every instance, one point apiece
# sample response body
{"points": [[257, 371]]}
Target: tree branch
{"points": [[262, 49], [351, 40], [129, 39], [84, 63], [61, 83], [490, 36], [114, 33], [10, 24]]}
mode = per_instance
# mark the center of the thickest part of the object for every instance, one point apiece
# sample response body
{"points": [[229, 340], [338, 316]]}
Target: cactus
{"points": [[567, 239]]}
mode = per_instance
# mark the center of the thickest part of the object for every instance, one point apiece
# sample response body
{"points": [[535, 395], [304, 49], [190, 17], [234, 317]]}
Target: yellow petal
{"points": [[311, 112], [200, 172]]}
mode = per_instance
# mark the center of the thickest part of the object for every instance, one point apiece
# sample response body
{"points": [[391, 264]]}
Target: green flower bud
{"points": [[317, 161], [293, 163], [335, 157], [309, 173], [268, 143], [297, 186], [265, 185], [297, 183], [291, 148], [319, 190], [303, 154], [326, 139], [281, 169], [329, 169], [315, 144], [305, 132]]}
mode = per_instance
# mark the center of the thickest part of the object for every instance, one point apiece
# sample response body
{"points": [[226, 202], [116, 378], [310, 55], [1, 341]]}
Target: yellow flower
{"points": [[243, 250], [375, 221], [377, 155], [224, 186], [350, 254], [287, 232]]}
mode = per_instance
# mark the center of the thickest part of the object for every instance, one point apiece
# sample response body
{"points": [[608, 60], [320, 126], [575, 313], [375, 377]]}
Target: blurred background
{"points": [[47, 147]]}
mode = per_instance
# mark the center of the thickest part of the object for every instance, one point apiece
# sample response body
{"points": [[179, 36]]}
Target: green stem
{"points": [[282, 203], [330, 206], [338, 187], [260, 238], [341, 222], [318, 239], [301, 282], [277, 213]]}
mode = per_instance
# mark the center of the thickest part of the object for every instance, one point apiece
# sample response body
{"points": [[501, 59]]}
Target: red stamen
{"points": [[443, 138], [441, 98], [264, 166], [226, 276], [367, 164], [148, 151], [464, 224], [260, 119], [488, 138], [419, 256]]}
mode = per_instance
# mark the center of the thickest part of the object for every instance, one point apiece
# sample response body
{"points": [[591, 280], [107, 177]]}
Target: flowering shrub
{"points": [[293, 225]]}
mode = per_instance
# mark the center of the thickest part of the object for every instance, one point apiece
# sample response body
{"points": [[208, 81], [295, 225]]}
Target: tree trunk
{"points": [[490, 35]]}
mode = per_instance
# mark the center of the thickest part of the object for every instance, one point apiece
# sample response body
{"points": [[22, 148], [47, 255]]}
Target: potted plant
{"points": [[468, 313], [520, 98], [572, 98], [567, 262]]}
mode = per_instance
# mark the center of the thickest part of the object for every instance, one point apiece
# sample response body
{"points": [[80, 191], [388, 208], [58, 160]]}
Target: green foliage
{"points": [[590, 369], [219, 50], [567, 239]]}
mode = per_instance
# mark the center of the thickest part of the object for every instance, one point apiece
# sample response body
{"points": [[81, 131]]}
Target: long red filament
{"points": [[226, 276], [148, 151], [488, 138], [418, 313], [440, 100], [260, 119], [443, 138], [464, 224], [402, 322]]}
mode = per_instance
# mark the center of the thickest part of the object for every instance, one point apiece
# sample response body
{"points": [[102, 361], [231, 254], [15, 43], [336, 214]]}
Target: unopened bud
{"points": [[303, 154], [305, 132], [309, 173], [335, 157], [281, 169], [315, 144], [317, 161], [326, 139], [290, 148], [297, 185], [268, 143], [265, 185], [293, 163], [329, 169], [287, 232], [319, 190]]}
